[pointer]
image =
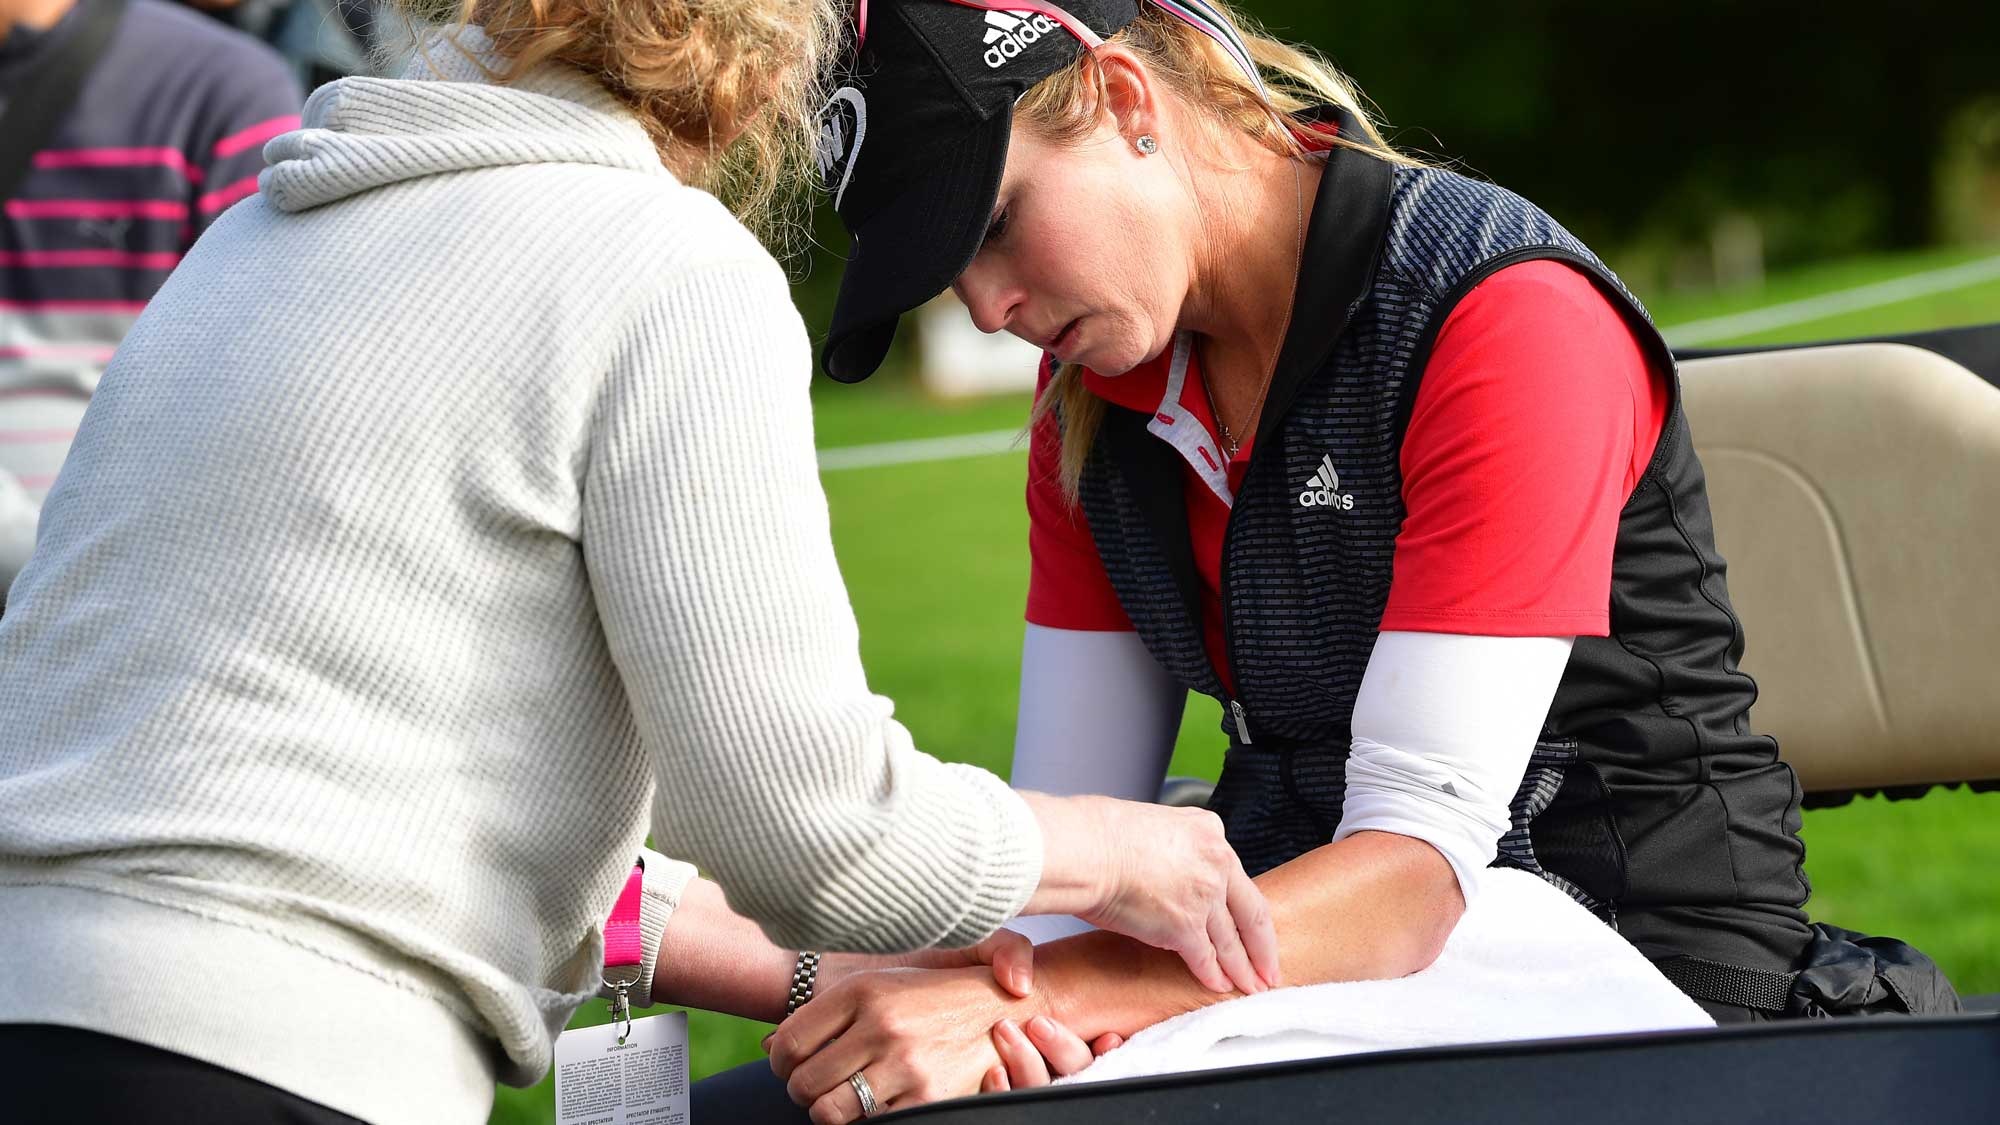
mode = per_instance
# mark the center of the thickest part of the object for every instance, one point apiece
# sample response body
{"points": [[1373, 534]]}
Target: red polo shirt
{"points": [[1536, 417]]}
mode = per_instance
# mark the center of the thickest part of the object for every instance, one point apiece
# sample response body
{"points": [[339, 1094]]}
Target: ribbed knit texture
{"points": [[452, 508]]}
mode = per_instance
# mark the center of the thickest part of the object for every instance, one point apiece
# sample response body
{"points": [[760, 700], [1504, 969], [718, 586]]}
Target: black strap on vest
{"points": [[1760, 989], [49, 87]]}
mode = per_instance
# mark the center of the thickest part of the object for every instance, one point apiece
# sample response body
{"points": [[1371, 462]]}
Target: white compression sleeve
{"points": [[1098, 715], [1443, 728]]}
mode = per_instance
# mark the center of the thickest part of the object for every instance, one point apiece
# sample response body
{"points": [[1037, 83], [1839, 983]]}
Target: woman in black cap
{"points": [[1378, 456]]}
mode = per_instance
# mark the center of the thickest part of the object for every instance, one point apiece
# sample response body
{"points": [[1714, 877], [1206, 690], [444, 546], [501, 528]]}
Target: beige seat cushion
{"points": [[1856, 492]]}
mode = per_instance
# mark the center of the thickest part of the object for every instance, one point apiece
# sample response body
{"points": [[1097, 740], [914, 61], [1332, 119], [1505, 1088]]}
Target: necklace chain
{"points": [[1230, 442]]}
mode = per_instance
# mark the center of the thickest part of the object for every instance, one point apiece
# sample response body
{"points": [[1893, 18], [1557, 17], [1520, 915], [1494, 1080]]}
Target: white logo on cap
{"points": [[840, 135], [1007, 36]]}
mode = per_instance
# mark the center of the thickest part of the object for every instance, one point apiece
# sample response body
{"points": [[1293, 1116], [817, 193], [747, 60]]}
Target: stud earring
{"points": [[1146, 144]]}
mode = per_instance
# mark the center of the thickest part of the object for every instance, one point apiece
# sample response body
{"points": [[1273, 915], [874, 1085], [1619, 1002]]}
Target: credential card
{"points": [[643, 1081]]}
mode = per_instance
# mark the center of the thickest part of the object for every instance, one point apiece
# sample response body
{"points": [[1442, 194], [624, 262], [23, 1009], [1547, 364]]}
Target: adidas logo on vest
{"points": [[1007, 36], [1323, 490]]}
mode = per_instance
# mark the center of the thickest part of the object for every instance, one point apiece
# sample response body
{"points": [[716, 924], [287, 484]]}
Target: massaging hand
{"points": [[1165, 876], [916, 1035]]}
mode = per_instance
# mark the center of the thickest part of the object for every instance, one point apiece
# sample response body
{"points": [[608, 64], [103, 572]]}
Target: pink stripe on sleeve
{"points": [[96, 209], [255, 135], [37, 481], [133, 307], [119, 158], [87, 259], [101, 353], [36, 437], [224, 196]]}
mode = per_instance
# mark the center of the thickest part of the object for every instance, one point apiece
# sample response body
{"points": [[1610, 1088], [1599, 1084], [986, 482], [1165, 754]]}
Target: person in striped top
{"points": [[166, 133]]}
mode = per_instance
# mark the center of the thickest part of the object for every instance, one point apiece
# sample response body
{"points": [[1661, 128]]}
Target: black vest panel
{"points": [[1647, 798]]}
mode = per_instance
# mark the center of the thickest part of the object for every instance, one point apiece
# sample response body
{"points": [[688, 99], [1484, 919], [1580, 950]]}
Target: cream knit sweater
{"points": [[448, 522]]}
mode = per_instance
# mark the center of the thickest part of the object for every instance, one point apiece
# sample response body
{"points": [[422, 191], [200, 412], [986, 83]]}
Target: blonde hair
{"points": [[1063, 108], [728, 90]]}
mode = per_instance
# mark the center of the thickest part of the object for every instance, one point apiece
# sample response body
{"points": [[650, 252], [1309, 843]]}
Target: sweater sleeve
{"points": [[660, 893], [706, 535]]}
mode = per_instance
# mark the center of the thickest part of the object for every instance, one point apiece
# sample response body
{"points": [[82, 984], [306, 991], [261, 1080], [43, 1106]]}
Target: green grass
{"points": [[1974, 304], [1977, 304], [935, 559], [1920, 870]]}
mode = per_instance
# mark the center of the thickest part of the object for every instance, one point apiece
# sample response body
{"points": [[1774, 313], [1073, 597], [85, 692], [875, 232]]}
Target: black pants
{"points": [[51, 1075], [745, 1095]]}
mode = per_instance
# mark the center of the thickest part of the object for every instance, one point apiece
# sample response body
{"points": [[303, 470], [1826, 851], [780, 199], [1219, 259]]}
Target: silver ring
{"points": [[867, 1096]]}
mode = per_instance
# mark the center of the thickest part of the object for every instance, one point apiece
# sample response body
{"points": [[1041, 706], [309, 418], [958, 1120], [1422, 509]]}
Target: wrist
{"points": [[804, 984], [1075, 860], [1102, 981], [837, 967]]}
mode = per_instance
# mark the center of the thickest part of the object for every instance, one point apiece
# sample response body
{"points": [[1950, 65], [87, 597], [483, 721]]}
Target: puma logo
{"points": [[109, 233]]}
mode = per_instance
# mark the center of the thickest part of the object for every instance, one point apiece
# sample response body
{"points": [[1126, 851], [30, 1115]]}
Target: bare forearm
{"points": [[712, 957], [1372, 906]]}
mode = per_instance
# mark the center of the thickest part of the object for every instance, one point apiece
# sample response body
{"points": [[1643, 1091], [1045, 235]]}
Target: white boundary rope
{"points": [[1693, 332], [921, 449], [1833, 304]]}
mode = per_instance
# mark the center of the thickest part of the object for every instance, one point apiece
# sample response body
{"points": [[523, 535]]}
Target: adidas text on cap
{"points": [[912, 146]]}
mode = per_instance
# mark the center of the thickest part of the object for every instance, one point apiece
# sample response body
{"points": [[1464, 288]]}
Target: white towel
{"points": [[1525, 962]]}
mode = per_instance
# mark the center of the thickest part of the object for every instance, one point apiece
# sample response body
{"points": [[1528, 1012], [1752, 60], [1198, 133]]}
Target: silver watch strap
{"points": [[804, 974]]}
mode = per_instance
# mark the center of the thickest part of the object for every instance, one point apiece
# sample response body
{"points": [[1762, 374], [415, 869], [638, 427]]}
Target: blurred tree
{"points": [[1654, 117]]}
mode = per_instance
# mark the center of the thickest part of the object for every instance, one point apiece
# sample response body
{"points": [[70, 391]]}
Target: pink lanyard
{"points": [[622, 944]]}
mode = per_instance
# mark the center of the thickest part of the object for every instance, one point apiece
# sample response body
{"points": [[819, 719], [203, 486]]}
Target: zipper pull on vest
{"points": [[1242, 721]]}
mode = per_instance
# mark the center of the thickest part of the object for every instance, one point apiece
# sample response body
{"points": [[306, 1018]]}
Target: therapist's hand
{"points": [[1009, 955], [1165, 876], [916, 1035]]}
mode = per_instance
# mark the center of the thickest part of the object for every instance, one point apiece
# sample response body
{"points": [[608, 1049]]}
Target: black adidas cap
{"points": [[912, 147]]}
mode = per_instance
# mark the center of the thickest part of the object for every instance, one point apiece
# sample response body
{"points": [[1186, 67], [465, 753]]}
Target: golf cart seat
{"points": [[1856, 498]]}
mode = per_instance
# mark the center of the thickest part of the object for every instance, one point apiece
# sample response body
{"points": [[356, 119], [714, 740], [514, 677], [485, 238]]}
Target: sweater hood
{"points": [[443, 115]]}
